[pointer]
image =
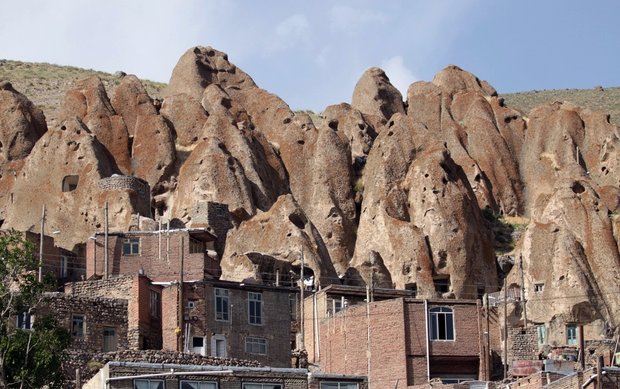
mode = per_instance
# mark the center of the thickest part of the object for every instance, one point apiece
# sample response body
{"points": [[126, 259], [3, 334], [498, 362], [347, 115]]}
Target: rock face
{"points": [[88, 102], [74, 163], [420, 217], [280, 236], [21, 124], [381, 192]]}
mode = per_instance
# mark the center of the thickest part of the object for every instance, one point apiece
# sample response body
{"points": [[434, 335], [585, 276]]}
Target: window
{"points": [[70, 183], [413, 287], [198, 385], [262, 386], [109, 339], [77, 325], [24, 320], [442, 285], [571, 334], [155, 304], [221, 305], [64, 262], [539, 287], [131, 246], [255, 305], [442, 323], [292, 305], [196, 246], [334, 305], [198, 345], [255, 345], [339, 385], [218, 346], [541, 334], [148, 384]]}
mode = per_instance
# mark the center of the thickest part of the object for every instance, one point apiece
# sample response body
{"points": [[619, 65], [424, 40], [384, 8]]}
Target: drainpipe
{"points": [[428, 359], [181, 307]]}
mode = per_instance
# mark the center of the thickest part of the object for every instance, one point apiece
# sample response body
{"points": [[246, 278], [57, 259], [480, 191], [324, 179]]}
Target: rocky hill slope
{"points": [[410, 191]]}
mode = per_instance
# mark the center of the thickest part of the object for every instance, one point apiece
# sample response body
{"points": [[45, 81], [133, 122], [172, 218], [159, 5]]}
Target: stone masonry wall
{"points": [[98, 313], [522, 344]]}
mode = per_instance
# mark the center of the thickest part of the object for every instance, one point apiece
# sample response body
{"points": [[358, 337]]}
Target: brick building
{"points": [[142, 301], [161, 255], [396, 342], [130, 375], [230, 319]]}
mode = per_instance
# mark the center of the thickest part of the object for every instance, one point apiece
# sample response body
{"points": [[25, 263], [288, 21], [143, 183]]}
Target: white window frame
{"points": [[134, 246], [27, 320], [255, 341], [222, 295], [255, 299], [448, 321], [572, 337], [214, 339], [541, 334], [201, 384], [340, 385]]}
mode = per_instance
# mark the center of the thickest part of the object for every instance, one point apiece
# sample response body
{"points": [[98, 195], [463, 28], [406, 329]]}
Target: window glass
{"points": [[109, 339], [77, 325], [198, 385], [255, 345], [255, 308], [441, 323], [571, 334], [155, 304], [148, 384], [221, 304], [339, 385], [131, 246], [24, 320], [262, 386]]}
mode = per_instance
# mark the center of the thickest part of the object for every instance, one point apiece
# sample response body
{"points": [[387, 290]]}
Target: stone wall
{"points": [[98, 313], [129, 183], [522, 344], [216, 216]]}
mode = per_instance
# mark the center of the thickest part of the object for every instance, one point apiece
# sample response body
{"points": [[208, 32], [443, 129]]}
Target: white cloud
{"points": [[399, 74], [289, 33], [351, 20]]}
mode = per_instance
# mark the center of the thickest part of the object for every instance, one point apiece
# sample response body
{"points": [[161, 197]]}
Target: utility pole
{"points": [[523, 291], [505, 326], [301, 300], [41, 245], [105, 240]]}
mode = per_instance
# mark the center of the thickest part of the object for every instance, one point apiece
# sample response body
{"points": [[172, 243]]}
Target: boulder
{"points": [[376, 97], [153, 151], [21, 124], [88, 102], [420, 216], [571, 259], [200, 66], [131, 100], [275, 240], [74, 163], [187, 118]]}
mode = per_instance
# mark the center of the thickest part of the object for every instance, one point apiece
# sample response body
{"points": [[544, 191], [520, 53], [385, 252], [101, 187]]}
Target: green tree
{"points": [[28, 358]]}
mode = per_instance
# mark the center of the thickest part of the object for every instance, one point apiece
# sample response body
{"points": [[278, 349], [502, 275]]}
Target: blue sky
{"points": [[311, 53]]}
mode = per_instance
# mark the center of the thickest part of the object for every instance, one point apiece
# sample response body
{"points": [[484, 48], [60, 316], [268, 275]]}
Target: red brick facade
{"points": [[158, 254], [201, 328], [387, 340]]}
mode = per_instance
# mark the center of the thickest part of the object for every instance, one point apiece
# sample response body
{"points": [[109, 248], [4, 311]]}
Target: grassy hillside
{"points": [[598, 99], [45, 84]]}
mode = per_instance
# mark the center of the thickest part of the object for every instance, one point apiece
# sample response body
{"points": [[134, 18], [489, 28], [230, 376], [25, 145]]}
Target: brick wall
{"points": [[275, 328], [98, 313], [159, 256], [397, 345]]}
